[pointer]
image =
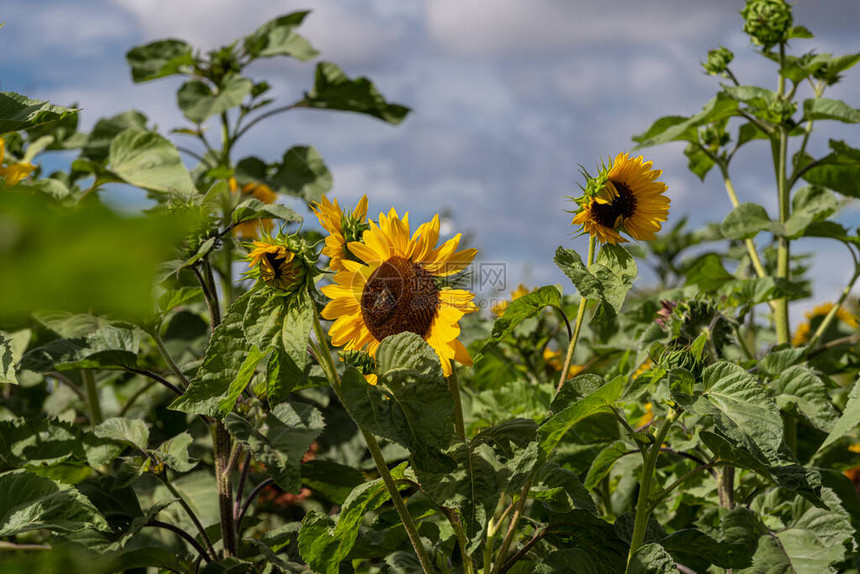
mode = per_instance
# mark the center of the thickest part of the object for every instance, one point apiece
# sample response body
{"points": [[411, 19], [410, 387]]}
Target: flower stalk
{"points": [[580, 316]]}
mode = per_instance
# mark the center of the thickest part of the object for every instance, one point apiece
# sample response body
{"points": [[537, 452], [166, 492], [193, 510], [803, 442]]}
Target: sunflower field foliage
{"points": [[213, 386]]}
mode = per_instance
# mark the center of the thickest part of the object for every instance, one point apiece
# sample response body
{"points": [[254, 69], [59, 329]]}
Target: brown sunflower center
{"points": [[274, 266], [624, 205], [399, 296]]}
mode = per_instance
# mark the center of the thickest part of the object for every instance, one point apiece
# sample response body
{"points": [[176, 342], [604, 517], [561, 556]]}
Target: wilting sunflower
{"points": [[801, 337], [499, 308], [15, 172], [343, 227], [261, 191], [394, 290], [276, 264], [625, 196]]}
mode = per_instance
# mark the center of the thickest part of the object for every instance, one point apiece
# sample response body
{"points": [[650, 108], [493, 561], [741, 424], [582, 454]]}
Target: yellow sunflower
{"points": [[261, 191], [801, 336], [554, 360], [276, 265], [394, 290], [343, 227], [627, 197], [15, 172], [500, 307]]}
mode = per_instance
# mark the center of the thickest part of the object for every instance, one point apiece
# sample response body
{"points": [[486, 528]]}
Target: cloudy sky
{"points": [[509, 98]]}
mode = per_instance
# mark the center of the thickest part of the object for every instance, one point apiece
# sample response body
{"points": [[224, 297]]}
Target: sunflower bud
{"points": [[277, 264], [782, 111], [718, 61], [767, 21]]}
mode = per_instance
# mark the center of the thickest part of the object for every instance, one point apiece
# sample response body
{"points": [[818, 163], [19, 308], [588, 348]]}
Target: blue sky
{"points": [[509, 98]]}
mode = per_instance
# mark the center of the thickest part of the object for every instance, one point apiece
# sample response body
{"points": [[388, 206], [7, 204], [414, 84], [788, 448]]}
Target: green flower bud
{"points": [[718, 61], [767, 22], [783, 110]]}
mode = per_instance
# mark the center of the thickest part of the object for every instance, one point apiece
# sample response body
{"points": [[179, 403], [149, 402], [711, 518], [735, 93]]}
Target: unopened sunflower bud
{"points": [[277, 265], [718, 61], [767, 22]]}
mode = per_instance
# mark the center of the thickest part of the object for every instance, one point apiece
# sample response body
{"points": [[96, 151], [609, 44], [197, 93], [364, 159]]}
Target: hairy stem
{"points": [[224, 483], [580, 316], [92, 397]]}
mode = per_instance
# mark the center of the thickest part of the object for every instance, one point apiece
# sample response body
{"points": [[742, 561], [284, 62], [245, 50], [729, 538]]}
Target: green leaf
{"points": [[616, 269], [158, 59], [651, 559], [133, 432], [800, 386], [588, 285], [252, 209], [675, 128], [518, 311], [698, 161], [603, 463], [849, 419], [708, 273], [174, 452], [97, 145], [148, 160], [334, 90], [746, 221], [406, 356], [286, 368], [227, 368], [418, 415], [7, 361], [810, 204], [199, 102], [741, 407], [282, 442], [331, 480], [581, 529], [302, 173], [779, 360], [278, 38], [839, 171], [561, 491], [112, 346], [20, 113], [827, 109], [324, 542], [695, 549], [600, 401], [47, 442], [31, 502]]}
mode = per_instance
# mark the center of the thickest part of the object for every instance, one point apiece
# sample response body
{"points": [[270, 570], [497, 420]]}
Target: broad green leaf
{"points": [[581, 529], [331, 480], [561, 491], [31, 502], [253, 209], [282, 442], [302, 173], [746, 221], [809, 205], [839, 171], [600, 401], [780, 359], [755, 96], [695, 549], [406, 356], [199, 102], [800, 386], [741, 407], [334, 90], [148, 160], [616, 269], [603, 463], [17, 113], [112, 346], [849, 419], [264, 317], [708, 273], [132, 432], [227, 368], [47, 442], [827, 109], [651, 559], [588, 285], [516, 312], [97, 145], [286, 367], [7, 361], [698, 162], [324, 542], [575, 389], [174, 452], [278, 38], [158, 59], [674, 128], [418, 415]]}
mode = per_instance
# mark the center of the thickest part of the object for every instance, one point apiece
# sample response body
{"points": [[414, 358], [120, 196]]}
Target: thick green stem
{"points": [[454, 387], [643, 512], [399, 504], [492, 529], [375, 453], [92, 393], [726, 487], [224, 484], [783, 333], [462, 540], [580, 316]]}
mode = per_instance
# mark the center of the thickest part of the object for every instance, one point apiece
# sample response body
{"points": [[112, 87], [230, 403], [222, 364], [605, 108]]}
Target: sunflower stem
{"points": [[92, 397], [512, 527], [454, 387], [648, 466], [580, 315], [224, 483], [831, 315], [375, 453], [783, 255], [750, 245]]}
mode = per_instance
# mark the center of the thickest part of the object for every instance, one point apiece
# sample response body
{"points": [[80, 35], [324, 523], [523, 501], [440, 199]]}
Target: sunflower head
{"points": [[767, 22], [499, 308], [344, 226], [814, 318], [14, 172], [624, 196], [280, 262], [396, 286], [261, 191]]}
